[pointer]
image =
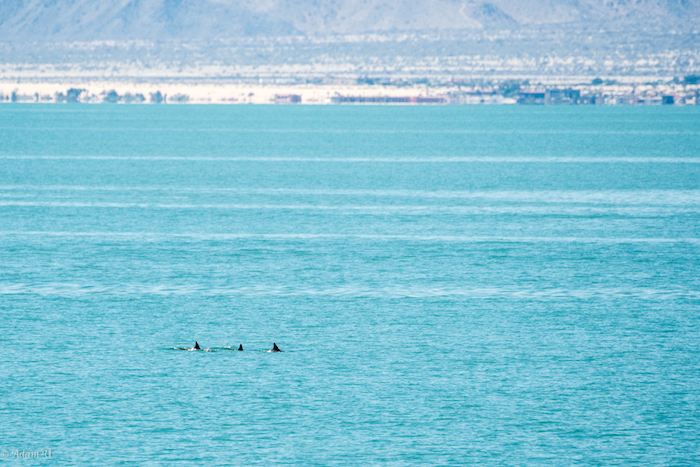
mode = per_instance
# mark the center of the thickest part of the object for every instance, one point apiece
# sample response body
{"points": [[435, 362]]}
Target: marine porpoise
{"points": [[240, 347]]}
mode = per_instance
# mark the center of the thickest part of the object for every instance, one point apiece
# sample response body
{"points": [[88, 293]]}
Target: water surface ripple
{"points": [[449, 285]]}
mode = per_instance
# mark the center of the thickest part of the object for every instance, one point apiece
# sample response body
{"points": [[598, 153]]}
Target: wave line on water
{"points": [[475, 159], [635, 197], [352, 291], [410, 131], [374, 209], [154, 236]]}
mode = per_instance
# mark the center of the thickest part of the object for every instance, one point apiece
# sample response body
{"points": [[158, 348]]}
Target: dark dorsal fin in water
{"points": [[275, 348], [240, 347], [196, 346]]}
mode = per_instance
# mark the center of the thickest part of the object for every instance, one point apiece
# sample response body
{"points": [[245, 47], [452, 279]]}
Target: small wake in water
{"points": [[192, 349], [209, 349], [212, 349], [217, 349]]}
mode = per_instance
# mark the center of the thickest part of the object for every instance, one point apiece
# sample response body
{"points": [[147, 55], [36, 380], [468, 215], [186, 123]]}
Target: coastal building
{"points": [[649, 99], [562, 97], [287, 99], [475, 98], [532, 97], [338, 99]]}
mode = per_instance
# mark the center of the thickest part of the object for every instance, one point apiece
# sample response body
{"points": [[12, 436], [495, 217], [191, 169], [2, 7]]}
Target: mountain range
{"points": [[154, 20]]}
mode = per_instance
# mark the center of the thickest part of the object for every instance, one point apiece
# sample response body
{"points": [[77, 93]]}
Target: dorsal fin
{"points": [[196, 346], [240, 347], [275, 348]]}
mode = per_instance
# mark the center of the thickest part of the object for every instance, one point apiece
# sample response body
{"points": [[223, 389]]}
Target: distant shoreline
{"points": [[512, 92]]}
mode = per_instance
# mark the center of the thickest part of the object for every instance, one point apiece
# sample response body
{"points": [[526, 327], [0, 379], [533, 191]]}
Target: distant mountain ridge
{"points": [[85, 20]]}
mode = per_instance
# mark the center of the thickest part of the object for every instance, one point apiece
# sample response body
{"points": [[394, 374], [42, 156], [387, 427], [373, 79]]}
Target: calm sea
{"points": [[449, 285]]}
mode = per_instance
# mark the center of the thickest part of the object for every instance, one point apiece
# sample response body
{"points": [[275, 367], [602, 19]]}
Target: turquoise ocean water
{"points": [[449, 285]]}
